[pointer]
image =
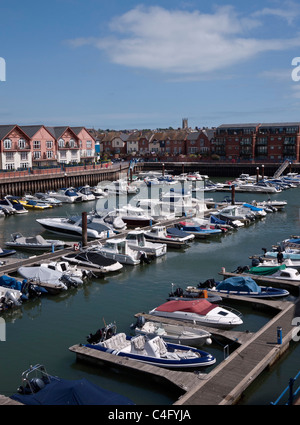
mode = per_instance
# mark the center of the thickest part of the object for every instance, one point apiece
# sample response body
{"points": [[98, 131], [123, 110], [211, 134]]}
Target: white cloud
{"points": [[182, 42]]}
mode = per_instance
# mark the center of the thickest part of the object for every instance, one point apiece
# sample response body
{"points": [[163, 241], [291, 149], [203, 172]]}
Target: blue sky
{"points": [[127, 64]]}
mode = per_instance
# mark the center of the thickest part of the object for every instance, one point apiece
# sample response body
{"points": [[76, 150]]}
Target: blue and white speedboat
{"points": [[200, 232], [154, 351]]}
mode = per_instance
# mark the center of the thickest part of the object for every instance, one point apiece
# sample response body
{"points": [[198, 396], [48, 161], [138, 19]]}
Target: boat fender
{"points": [[76, 246]]}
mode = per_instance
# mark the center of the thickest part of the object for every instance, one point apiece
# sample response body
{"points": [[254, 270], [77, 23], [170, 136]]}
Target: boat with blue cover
{"points": [[200, 232], [243, 286], [154, 351], [40, 388]]}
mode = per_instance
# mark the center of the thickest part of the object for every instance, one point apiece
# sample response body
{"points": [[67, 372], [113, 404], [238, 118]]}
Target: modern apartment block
{"points": [[258, 141]]}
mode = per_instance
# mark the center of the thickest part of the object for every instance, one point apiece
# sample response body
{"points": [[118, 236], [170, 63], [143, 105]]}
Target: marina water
{"points": [[43, 329]]}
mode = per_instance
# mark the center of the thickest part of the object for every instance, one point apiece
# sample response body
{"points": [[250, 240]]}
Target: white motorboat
{"points": [[72, 226], [68, 195], [111, 218], [154, 351], [260, 187], [13, 205], [235, 213], [200, 312], [278, 272], [119, 250], [86, 193], [66, 268], [137, 242], [51, 280], [159, 234], [44, 197], [179, 334], [134, 216], [94, 261], [34, 242]]}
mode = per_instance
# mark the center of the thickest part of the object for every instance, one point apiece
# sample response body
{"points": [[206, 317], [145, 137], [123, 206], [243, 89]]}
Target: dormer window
{"points": [[72, 143], [61, 143], [7, 144], [22, 143]]}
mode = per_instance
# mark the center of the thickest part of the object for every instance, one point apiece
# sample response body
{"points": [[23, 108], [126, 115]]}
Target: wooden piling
{"points": [[84, 228]]}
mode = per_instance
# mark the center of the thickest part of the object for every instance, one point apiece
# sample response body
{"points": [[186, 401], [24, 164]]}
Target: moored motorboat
{"points": [[33, 204], [199, 231], [154, 351], [52, 280], [68, 195], [93, 260], [159, 234], [13, 205], [6, 252], [192, 293], [119, 250], [39, 388], [137, 241], [199, 311], [243, 286], [178, 334], [86, 193], [9, 298], [33, 242], [72, 226]]}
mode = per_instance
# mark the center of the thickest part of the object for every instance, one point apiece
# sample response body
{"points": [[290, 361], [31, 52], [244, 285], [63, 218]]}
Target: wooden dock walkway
{"points": [[227, 382]]}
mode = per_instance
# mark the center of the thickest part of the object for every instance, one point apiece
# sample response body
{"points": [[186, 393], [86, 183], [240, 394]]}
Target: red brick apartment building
{"points": [[258, 141]]}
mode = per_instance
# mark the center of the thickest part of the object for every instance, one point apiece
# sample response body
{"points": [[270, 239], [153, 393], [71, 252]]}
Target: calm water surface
{"points": [[42, 330]]}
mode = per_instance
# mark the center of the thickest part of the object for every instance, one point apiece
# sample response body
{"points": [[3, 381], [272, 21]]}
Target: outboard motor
{"points": [[37, 384], [255, 262], [94, 338]]}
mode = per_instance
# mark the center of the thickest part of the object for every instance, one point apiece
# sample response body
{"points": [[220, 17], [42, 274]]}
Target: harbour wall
{"points": [[19, 182]]}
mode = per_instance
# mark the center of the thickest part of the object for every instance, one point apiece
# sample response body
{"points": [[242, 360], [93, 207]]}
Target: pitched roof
{"points": [[57, 132], [5, 129]]}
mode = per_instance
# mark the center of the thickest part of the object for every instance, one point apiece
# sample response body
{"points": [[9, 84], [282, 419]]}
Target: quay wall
{"points": [[19, 182], [219, 169]]}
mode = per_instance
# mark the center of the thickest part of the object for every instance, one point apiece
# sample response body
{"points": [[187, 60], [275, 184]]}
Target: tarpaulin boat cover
{"points": [[201, 307], [173, 231], [216, 220], [239, 283], [40, 274], [79, 392], [252, 207], [11, 282], [265, 271]]}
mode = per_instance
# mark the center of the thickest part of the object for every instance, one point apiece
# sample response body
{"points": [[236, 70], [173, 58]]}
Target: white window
{"points": [[36, 144], [9, 156], [72, 143], [61, 143], [49, 144], [37, 155], [24, 165], [24, 156], [22, 143], [63, 154], [7, 144], [9, 166], [49, 154], [88, 144]]}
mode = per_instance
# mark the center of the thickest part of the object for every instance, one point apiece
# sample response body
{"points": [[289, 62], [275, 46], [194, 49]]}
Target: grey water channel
{"points": [[43, 329]]}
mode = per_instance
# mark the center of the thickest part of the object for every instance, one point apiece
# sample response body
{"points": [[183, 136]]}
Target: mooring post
{"points": [[84, 228], [233, 194]]}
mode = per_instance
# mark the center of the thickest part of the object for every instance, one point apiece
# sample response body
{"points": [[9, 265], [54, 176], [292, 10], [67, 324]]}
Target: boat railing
{"points": [[289, 390]]}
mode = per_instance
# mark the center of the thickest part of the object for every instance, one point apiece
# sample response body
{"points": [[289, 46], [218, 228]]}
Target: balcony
{"points": [[16, 147]]}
